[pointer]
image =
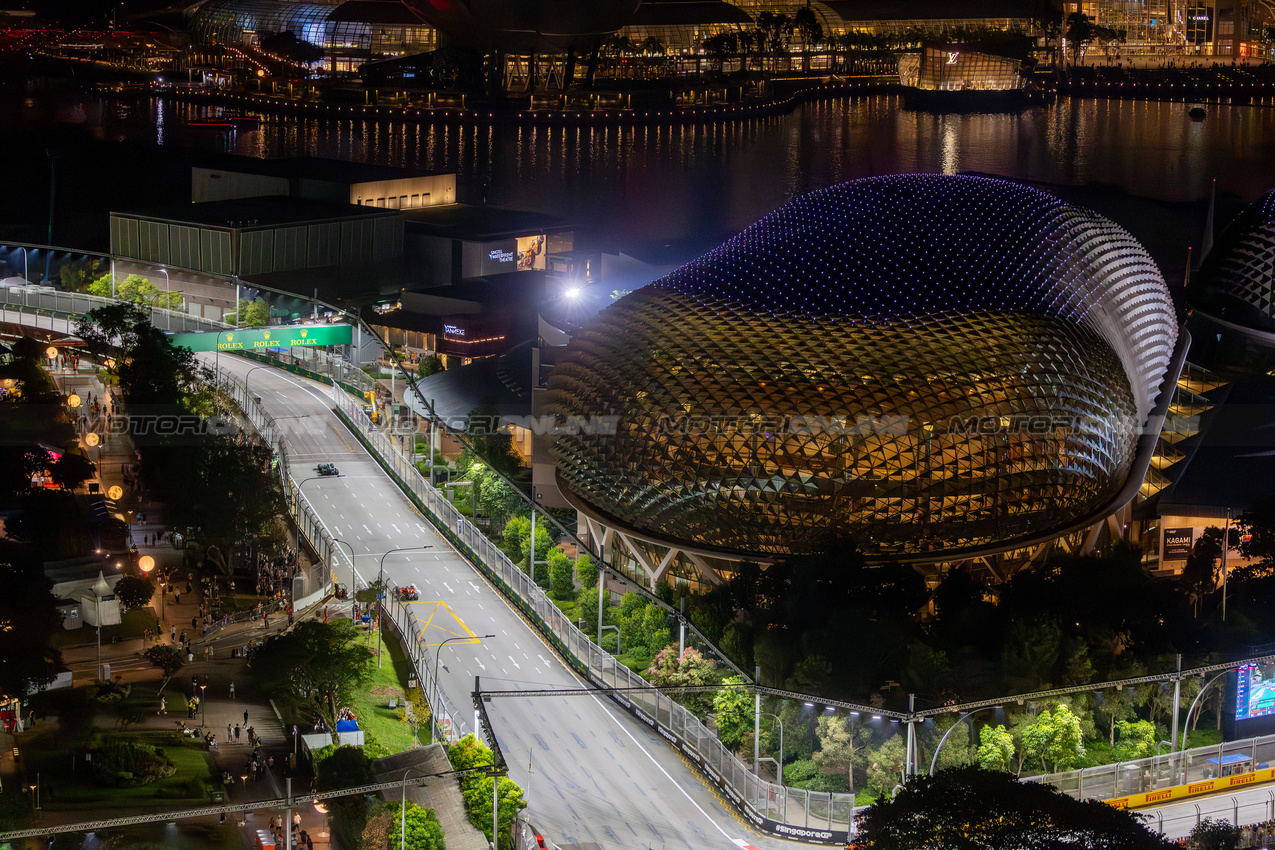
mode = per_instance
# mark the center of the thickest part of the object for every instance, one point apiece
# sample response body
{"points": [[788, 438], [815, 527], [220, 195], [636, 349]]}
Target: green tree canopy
{"points": [[317, 663], [842, 746], [969, 807], [136, 289], [341, 767], [995, 748], [1055, 738], [255, 314], [1137, 740], [561, 579], [134, 591], [430, 364], [467, 754], [383, 830], [586, 571], [733, 709], [167, 658]]}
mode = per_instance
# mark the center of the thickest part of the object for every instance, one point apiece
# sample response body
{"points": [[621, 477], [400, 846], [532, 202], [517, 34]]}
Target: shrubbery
{"points": [[126, 763]]}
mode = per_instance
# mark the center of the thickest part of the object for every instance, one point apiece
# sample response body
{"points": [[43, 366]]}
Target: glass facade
{"points": [[348, 41], [921, 364], [950, 68]]}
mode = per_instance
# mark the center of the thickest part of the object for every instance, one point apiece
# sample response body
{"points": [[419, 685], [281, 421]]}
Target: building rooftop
{"points": [[469, 221], [265, 211]]}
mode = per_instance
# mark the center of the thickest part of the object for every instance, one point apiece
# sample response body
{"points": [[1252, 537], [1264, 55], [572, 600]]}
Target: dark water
{"points": [[689, 187]]}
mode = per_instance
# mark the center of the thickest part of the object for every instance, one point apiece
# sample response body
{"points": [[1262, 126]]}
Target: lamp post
{"points": [[168, 295], [438, 690], [531, 558], [402, 841], [780, 770], [380, 584], [935, 760], [26, 272], [216, 351], [1186, 725], [249, 375], [350, 593], [203, 706]]}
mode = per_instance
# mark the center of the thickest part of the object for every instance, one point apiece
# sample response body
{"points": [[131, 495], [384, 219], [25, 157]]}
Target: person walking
{"points": [[245, 717], [237, 728], [173, 631], [163, 705], [230, 731], [232, 690]]}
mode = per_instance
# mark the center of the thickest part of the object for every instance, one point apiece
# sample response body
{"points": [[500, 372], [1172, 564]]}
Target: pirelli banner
{"points": [[255, 339], [1192, 789]]}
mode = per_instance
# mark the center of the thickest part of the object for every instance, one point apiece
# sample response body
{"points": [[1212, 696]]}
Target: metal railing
{"points": [[790, 812], [450, 723], [58, 309], [333, 560], [1111, 781]]}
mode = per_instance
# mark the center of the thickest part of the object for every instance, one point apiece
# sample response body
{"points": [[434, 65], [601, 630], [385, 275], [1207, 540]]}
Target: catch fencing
{"points": [[332, 559], [811, 816], [1112, 781]]}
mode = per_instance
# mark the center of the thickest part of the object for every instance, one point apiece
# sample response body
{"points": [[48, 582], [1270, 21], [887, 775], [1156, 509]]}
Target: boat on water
{"points": [[950, 78]]}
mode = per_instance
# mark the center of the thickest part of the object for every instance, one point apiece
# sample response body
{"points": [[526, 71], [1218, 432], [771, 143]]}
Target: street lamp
{"points": [[1187, 724], [438, 690], [249, 375], [350, 592], [780, 771], [403, 810], [168, 299], [935, 760], [203, 705], [380, 589]]}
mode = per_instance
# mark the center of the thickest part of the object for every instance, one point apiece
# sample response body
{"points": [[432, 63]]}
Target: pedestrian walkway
{"points": [[442, 795]]}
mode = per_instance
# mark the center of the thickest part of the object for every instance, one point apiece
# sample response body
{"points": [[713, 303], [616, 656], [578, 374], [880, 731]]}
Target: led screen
{"points": [[1255, 691]]}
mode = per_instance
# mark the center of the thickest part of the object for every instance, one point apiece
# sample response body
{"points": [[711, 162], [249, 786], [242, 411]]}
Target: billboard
{"points": [[519, 254], [251, 339], [1177, 544], [1255, 691]]}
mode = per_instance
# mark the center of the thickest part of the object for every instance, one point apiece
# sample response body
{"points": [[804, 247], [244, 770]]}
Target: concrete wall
{"points": [[215, 184]]}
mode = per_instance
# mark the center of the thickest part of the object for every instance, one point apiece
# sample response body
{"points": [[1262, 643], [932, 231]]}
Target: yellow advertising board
{"points": [[1192, 789]]}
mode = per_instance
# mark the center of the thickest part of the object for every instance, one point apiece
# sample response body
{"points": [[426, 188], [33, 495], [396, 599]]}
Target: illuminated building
{"points": [[350, 33], [931, 367]]}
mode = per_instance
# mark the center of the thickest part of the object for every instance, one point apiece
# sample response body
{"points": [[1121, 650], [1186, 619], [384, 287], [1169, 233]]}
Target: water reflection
{"points": [[698, 183]]}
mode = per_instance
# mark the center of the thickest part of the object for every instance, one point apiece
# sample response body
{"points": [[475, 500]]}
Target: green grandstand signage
{"points": [[252, 339]]}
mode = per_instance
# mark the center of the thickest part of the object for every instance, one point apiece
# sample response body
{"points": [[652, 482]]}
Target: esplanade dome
{"points": [[1236, 282], [925, 364]]}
